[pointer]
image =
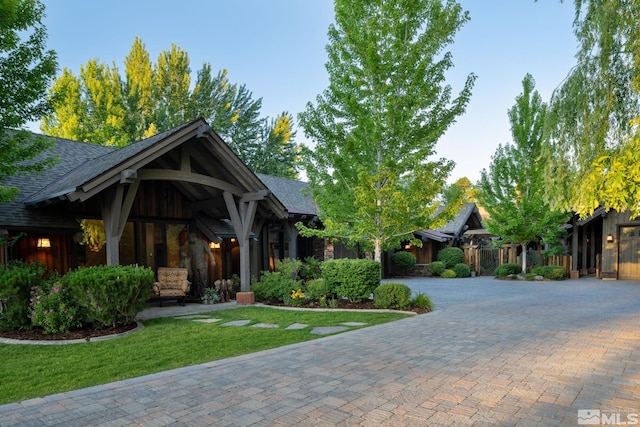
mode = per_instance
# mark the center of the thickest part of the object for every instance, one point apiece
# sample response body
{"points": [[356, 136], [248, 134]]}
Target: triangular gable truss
{"points": [[197, 162]]}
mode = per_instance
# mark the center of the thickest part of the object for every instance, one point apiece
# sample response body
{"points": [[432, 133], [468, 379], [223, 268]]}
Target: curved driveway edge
{"points": [[492, 353]]}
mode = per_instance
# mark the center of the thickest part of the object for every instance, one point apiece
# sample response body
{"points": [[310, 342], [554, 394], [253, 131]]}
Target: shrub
{"points": [[53, 308], [436, 268], [448, 274], [16, 282], [354, 279], [310, 269], [508, 269], [552, 272], [316, 289], [403, 261], [110, 295], [450, 256], [296, 298], [462, 270], [278, 285], [421, 301], [392, 295]]}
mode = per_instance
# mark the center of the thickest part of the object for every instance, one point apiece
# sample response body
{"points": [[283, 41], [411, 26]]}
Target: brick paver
{"points": [[492, 353]]}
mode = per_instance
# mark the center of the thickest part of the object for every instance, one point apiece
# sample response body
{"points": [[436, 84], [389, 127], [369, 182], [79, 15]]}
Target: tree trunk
{"points": [[524, 257], [377, 256]]}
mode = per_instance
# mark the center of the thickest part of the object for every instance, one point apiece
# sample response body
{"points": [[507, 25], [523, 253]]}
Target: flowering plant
{"points": [[53, 309], [297, 297]]}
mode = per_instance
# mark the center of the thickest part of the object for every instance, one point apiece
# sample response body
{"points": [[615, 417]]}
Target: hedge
{"points": [[355, 279], [392, 296]]}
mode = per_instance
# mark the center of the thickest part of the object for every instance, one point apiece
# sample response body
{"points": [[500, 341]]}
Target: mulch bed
{"points": [[37, 334], [346, 304]]}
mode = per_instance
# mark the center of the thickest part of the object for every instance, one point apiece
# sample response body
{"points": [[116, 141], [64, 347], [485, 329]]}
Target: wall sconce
{"points": [[407, 246], [214, 245], [43, 243], [609, 238], [233, 240]]}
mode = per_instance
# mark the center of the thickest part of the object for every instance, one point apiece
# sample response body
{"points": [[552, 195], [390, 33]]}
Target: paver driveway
{"points": [[493, 353]]}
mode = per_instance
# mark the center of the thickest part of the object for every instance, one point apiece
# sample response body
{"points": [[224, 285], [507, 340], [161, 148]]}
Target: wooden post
{"points": [[115, 210], [242, 217]]}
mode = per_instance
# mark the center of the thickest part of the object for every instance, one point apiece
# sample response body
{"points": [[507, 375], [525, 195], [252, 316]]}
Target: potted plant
{"points": [[210, 296]]}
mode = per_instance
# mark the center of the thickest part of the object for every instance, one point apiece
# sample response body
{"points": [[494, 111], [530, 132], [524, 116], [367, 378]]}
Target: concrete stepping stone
{"points": [[265, 325], [192, 316], [322, 330], [296, 326], [353, 323], [207, 320], [236, 323]]}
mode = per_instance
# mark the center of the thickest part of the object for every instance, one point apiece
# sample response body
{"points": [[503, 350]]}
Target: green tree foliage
{"points": [[593, 120], [101, 106], [513, 190], [26, 69], [376, 125]]}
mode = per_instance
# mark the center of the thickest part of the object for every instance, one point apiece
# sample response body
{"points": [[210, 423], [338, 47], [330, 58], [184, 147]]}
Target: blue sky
{"points": [[277, 49]]}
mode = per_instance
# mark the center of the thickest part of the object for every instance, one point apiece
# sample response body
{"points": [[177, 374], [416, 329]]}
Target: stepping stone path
{"points": [[321, 330]]}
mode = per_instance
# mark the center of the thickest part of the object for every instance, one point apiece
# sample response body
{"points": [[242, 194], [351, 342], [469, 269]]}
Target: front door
{"points": [[629, 253]]}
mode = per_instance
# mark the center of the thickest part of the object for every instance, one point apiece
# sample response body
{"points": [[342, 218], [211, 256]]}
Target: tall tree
{"points": [[26, 69], [594, 113], [100, 106], [376, 125], [278, 152], [513, 190]]}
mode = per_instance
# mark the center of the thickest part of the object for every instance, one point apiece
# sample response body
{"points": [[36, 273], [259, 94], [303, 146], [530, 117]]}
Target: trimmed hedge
{"points": [[392, 296], [355, 279], [448, 274], [110, 295], [403, 261], [450, 257], [551, 272], [436, 268], [508, 269], [462, 270]]}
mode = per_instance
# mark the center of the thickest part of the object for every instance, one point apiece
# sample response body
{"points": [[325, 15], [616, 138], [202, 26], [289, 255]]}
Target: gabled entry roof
{"points": [[192, 156]]}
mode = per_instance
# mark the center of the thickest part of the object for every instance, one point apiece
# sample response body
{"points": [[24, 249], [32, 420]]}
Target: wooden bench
{"points": [[172, 283]]}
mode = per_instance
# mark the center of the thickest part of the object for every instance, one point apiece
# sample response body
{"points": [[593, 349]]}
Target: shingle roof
{"points": [[71, 154], [455, 227], [294, 195], [92, 167]]}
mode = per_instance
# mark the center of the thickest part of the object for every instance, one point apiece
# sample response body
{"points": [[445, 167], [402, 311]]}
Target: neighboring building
{"points": [[606, 244], [461, 230]]}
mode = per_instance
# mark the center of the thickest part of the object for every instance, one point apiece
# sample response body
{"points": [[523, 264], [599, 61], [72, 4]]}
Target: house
{"points": [[138, 204], [606, 244], [464, 229]]}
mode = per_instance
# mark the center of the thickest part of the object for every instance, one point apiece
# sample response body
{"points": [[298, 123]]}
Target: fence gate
{"points": [[489, 259]]}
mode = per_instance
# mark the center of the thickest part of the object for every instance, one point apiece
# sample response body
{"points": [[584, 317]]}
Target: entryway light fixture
{"points": [[609, 238], [43, 243], [214, 245]]}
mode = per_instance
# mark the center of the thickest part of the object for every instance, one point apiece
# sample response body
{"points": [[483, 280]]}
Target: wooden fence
{"points": [[484, 260]]}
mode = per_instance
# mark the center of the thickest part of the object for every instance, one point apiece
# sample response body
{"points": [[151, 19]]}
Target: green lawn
{"points": [[28, 371]]}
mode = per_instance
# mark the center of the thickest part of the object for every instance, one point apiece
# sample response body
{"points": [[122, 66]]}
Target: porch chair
{"points": [[172, 283]]}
